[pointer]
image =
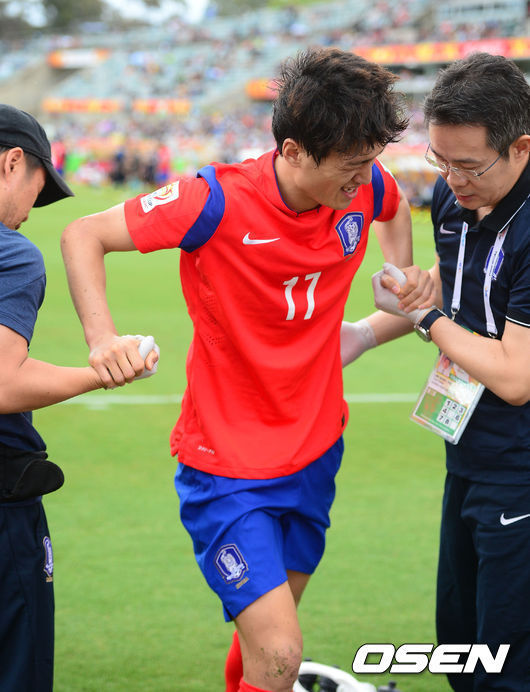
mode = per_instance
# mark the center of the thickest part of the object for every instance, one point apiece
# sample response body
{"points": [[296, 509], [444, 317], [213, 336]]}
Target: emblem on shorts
{"points": [[350, 228], [230, 563], [48, 558], [162, 196]]}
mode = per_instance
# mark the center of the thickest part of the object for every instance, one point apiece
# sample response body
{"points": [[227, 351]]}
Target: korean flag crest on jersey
{"points": [[230, 563], [350, 228]]}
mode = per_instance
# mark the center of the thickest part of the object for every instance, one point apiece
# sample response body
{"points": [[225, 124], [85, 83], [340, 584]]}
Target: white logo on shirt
{"points": [[247, 240], [162, 196]]}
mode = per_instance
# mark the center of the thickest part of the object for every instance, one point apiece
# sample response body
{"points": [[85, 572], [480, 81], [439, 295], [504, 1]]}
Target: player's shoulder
{"points": [[249, 171]]}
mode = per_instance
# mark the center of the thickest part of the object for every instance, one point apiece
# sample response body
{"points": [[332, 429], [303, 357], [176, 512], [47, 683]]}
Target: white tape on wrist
{"points": [[388, 301], [146, 345], [355, 339]]}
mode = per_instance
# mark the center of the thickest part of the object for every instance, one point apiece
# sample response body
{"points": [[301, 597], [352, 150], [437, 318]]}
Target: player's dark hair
{"points": [[331, 100], [33, 162], [482, 89]]}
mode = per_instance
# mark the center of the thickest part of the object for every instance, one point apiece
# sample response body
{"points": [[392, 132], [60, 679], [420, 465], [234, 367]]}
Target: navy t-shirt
{"points": [[495, 446], [22, 285]]}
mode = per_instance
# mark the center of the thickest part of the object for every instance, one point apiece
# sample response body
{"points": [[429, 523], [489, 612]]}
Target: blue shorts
{"points": [[247, 533]]}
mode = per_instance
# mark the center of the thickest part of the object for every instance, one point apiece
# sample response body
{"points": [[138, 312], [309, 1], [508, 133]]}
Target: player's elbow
{"points": [[73, 232], [70, 236], [78, 238]]}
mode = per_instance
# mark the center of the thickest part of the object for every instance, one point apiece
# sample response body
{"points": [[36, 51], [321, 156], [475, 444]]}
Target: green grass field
{"points": [[132, 610]]}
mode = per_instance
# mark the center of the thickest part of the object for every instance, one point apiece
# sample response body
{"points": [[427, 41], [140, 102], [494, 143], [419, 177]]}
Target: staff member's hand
{"points": [[411, 296], [413, 286], [117, 359]]}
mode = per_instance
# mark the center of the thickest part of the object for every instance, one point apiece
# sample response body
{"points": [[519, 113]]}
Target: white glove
{"points": [[355, 339], [146, 345], [387, 301]]}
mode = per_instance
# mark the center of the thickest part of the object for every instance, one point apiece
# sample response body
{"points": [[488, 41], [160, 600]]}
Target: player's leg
{"points": [[234, 660], [456, 585], [271, 641], [297, 583], [245, 551], [238, 546]]}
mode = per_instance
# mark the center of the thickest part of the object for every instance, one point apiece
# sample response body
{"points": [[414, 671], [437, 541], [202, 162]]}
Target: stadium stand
{"points": [[123, 104]]}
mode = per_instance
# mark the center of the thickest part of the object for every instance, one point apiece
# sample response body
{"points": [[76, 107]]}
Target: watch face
{"points": [[422, 332]]}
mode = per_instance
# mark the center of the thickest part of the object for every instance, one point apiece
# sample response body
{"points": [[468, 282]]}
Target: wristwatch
{"points": [[423, 327]]}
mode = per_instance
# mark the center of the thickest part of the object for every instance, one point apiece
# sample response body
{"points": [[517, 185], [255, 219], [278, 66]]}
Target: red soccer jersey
{"points": [[265, 288]]}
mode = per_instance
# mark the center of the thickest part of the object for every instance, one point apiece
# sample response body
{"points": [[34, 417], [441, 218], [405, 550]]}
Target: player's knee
{"points": [[284, 662]]}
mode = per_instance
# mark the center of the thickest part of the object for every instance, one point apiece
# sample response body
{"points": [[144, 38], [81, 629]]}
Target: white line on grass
{"points": [[104, 401]]}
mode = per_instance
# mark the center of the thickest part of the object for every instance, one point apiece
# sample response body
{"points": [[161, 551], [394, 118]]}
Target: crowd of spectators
{"points": [[208, 65]]}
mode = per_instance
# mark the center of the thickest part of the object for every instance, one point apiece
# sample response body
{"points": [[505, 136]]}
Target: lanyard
{"points": [[457, 288], [489, 272]]}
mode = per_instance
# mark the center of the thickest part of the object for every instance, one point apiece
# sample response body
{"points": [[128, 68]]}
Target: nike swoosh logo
{"points": [[505, 521], [444, 230], [247, 240]]}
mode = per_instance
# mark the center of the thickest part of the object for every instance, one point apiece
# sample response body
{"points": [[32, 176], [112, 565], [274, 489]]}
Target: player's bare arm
{"points": [[27, 384], [395, 239], [380, 327], [84, 244], [395, 235]]}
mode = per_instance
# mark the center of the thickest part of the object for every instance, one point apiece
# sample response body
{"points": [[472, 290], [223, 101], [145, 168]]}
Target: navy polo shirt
{"points": [[22, 284], [495, 447]]}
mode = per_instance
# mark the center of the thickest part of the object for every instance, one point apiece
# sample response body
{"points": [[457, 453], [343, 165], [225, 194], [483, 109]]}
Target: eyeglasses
{"points": [[445, 168]]}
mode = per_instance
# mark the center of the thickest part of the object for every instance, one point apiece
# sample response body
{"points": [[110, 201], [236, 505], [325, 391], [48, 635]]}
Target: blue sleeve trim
{"points": [[210, 216], [378, 187]]}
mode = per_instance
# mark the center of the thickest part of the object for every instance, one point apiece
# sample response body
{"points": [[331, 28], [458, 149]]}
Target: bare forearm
{"points": [[83, 257], [388, 327], [36, 384], [395, 236]]}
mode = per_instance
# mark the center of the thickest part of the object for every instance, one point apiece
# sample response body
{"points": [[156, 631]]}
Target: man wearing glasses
{"points": [[478, 117]]}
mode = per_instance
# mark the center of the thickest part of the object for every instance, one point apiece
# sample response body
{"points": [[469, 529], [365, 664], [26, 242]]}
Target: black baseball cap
{"points": [[20, 129]]}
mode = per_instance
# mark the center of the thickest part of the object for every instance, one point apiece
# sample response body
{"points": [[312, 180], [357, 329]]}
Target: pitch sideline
{"points": [[104, 401]]}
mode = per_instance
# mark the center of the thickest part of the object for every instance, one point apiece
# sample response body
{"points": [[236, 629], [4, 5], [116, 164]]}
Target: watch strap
{"points": [[430, 318], [423, 327]]}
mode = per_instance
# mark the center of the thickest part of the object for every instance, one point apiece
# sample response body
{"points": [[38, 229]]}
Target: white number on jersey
{"points": [[310, 295]]}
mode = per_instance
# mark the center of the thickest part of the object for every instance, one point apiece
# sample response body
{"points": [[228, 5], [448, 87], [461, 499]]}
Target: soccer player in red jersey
{"points": [[271, 247]]}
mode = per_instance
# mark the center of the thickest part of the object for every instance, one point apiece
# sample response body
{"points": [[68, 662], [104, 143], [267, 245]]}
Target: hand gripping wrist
{"points": [[146, 345], [388, 301]]}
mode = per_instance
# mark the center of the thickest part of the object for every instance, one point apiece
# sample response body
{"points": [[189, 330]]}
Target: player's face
{"points": [[336, 180], [465, 147]]}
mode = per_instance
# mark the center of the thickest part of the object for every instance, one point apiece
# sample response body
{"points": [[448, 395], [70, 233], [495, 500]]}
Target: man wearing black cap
{"points": [[27, 179]]}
